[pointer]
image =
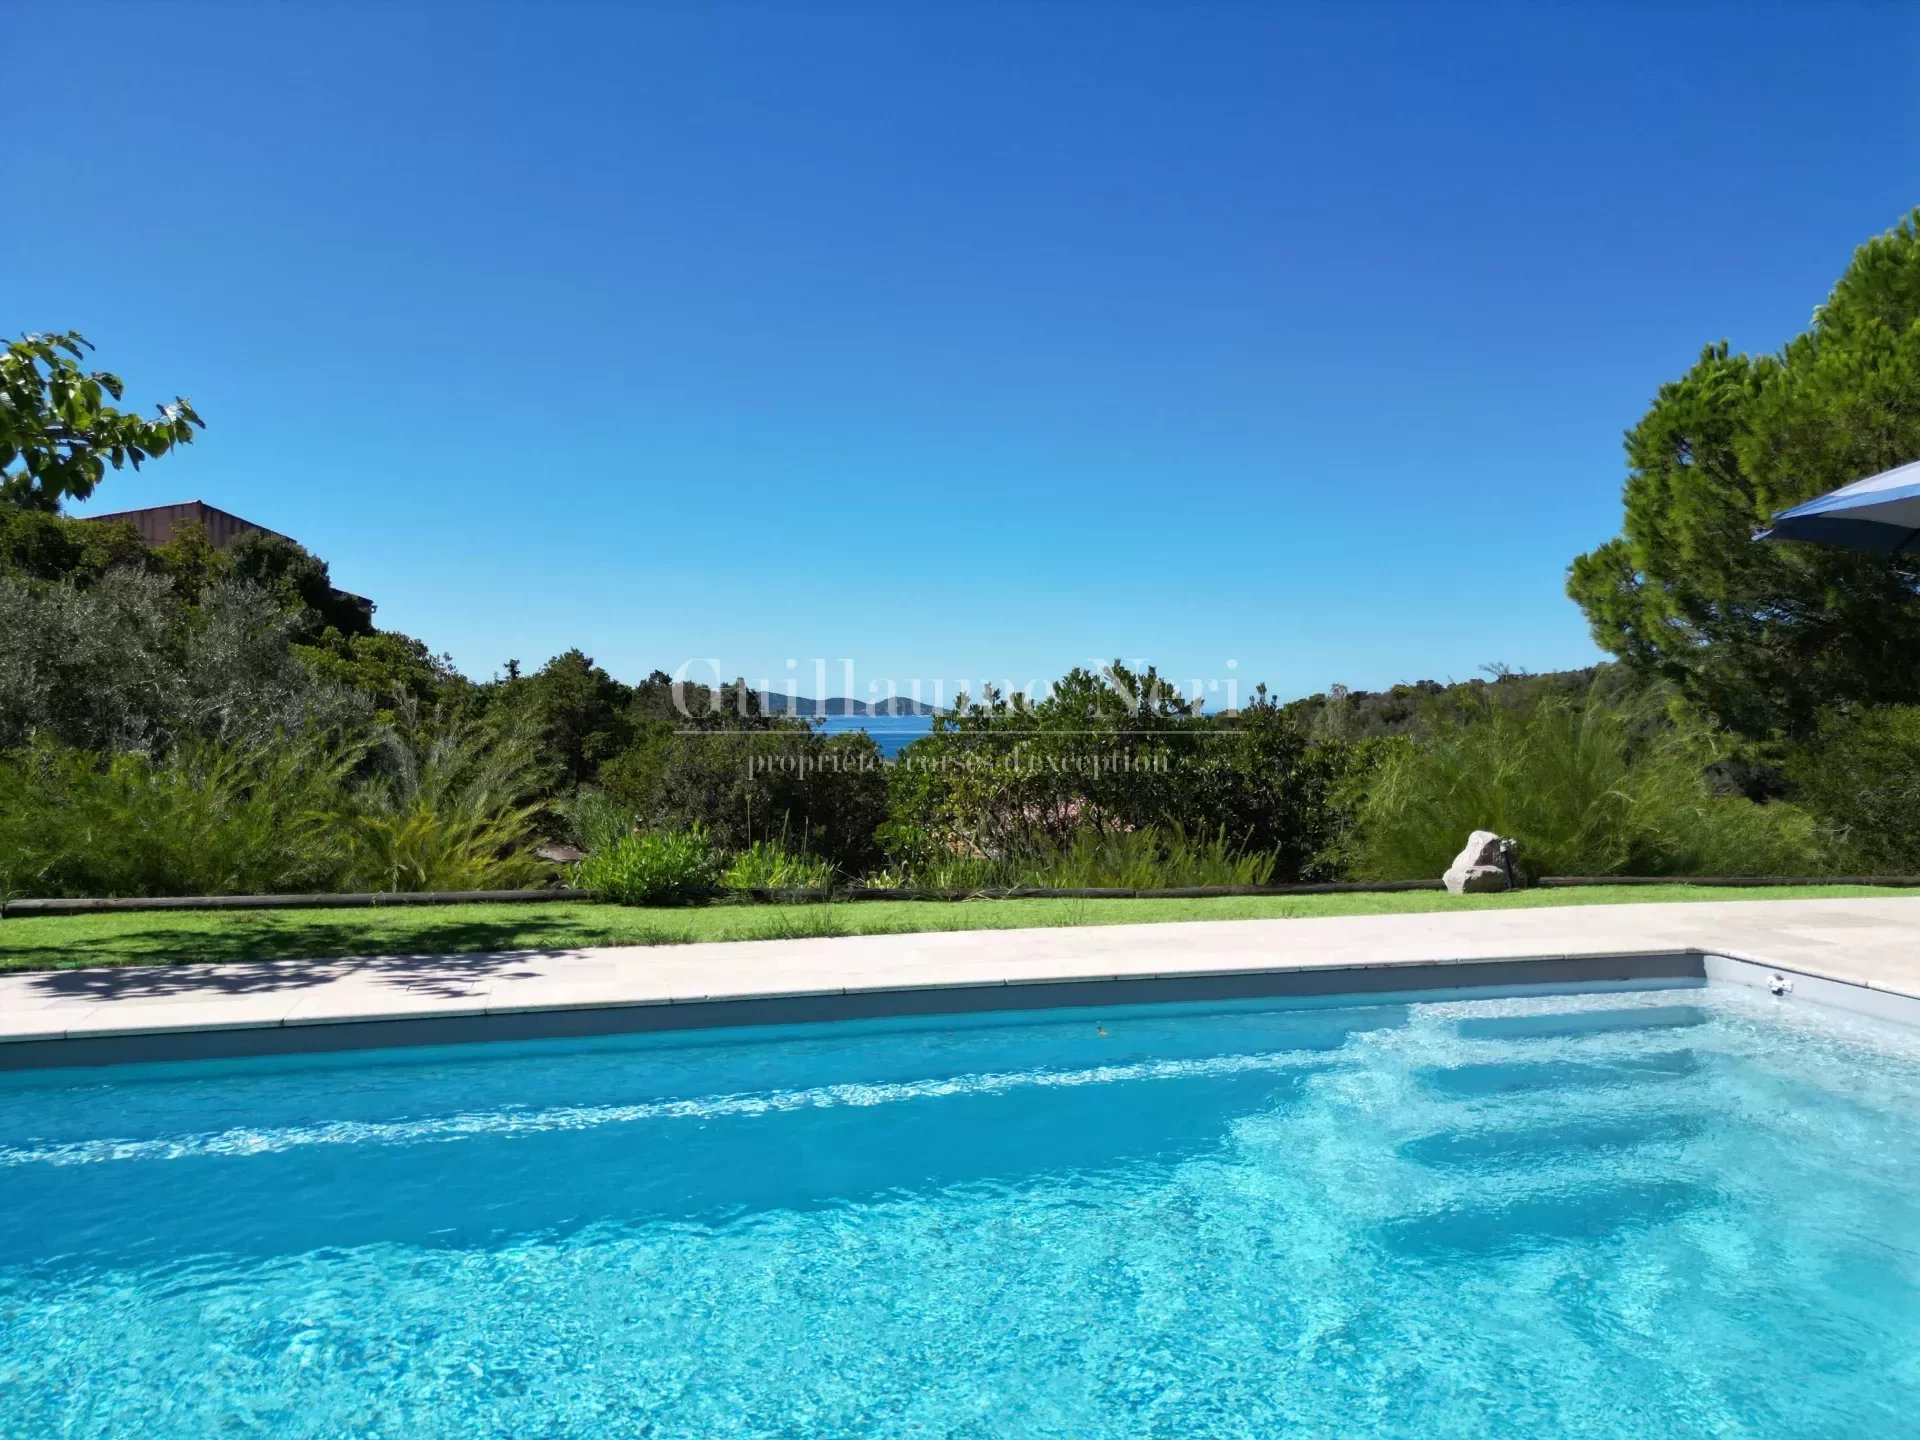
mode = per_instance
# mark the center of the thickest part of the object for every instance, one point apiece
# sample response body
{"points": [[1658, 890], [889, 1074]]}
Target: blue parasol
{"points": [[1880, 513]]}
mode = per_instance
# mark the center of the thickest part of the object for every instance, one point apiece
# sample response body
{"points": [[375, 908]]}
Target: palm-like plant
{"points": [[446, 808]]}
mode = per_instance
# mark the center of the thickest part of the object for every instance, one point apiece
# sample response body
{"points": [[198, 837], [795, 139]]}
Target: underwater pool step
{"points": [[1537, 1221], [1475, 1149], [1492, 1078], [1570, 1024]]}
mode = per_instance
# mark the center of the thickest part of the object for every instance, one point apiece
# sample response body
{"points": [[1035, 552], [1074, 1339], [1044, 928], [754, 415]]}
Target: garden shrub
{"points": [[1152, 858], [1119, 754], [653, 867], [1259, 779], [772, 865], [999, 775], [827, 793]]}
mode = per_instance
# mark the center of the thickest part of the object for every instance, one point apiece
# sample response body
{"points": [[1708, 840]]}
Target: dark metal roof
{"points": [[160, 524]]}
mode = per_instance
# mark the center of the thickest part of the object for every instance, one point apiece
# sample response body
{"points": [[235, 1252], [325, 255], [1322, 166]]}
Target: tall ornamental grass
{"points": [[1861, 777], [595, 818], [1585, 786], [438, 810], [1150, 858], [210, 819]]}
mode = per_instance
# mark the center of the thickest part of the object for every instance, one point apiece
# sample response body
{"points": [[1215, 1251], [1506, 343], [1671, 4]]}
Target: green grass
{"points": [[61, 942]]}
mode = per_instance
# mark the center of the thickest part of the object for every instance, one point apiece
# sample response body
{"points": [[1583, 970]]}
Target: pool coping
{"points": [[100, 1017]]}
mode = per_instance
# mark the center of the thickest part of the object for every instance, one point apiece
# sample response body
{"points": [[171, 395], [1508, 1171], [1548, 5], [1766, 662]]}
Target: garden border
{"points": [[358, 901], [21, 909]]}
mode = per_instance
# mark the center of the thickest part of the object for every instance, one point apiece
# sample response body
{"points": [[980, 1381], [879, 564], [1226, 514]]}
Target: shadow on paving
{"points": [[444, 957]]}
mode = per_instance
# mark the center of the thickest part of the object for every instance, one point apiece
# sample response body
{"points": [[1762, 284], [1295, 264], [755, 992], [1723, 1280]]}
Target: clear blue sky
{"points": [[961, 340]]}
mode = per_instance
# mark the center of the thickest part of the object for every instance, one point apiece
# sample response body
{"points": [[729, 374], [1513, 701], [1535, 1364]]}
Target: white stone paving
{"points": [[1870, 942]]}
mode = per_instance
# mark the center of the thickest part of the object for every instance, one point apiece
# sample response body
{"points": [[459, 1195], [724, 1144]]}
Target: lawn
{"points": [[60, 942]]}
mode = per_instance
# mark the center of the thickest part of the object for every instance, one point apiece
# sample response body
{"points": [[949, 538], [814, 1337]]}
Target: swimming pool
{"points": [[1673, 1212]]}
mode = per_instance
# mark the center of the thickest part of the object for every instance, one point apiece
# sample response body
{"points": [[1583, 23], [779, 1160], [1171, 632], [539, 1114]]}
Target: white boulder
{"points": [[1479, 867]]}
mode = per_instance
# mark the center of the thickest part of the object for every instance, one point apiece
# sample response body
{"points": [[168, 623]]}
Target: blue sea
{"points": [[1673, 1213], [891, 733]]}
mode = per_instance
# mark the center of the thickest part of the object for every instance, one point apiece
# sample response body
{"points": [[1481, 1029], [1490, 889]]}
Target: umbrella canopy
{"points": [[1880, 513]]}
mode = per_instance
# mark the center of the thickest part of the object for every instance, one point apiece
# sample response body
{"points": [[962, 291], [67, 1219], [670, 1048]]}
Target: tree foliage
{"points": [[388, 667], [1257, 778], [125, 665], [1861, 777], [580, 714], [58, 431], [1116, 753], [35, 545], [825, 794], [1764, 636], [711, 757], [1012, 772], [190, 717]]}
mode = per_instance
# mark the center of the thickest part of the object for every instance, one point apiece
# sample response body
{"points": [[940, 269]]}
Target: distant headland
{"points": [[775, 703]]}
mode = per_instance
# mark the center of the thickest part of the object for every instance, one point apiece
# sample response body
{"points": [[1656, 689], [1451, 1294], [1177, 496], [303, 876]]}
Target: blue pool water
{"points": [[1676, 1212]]}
